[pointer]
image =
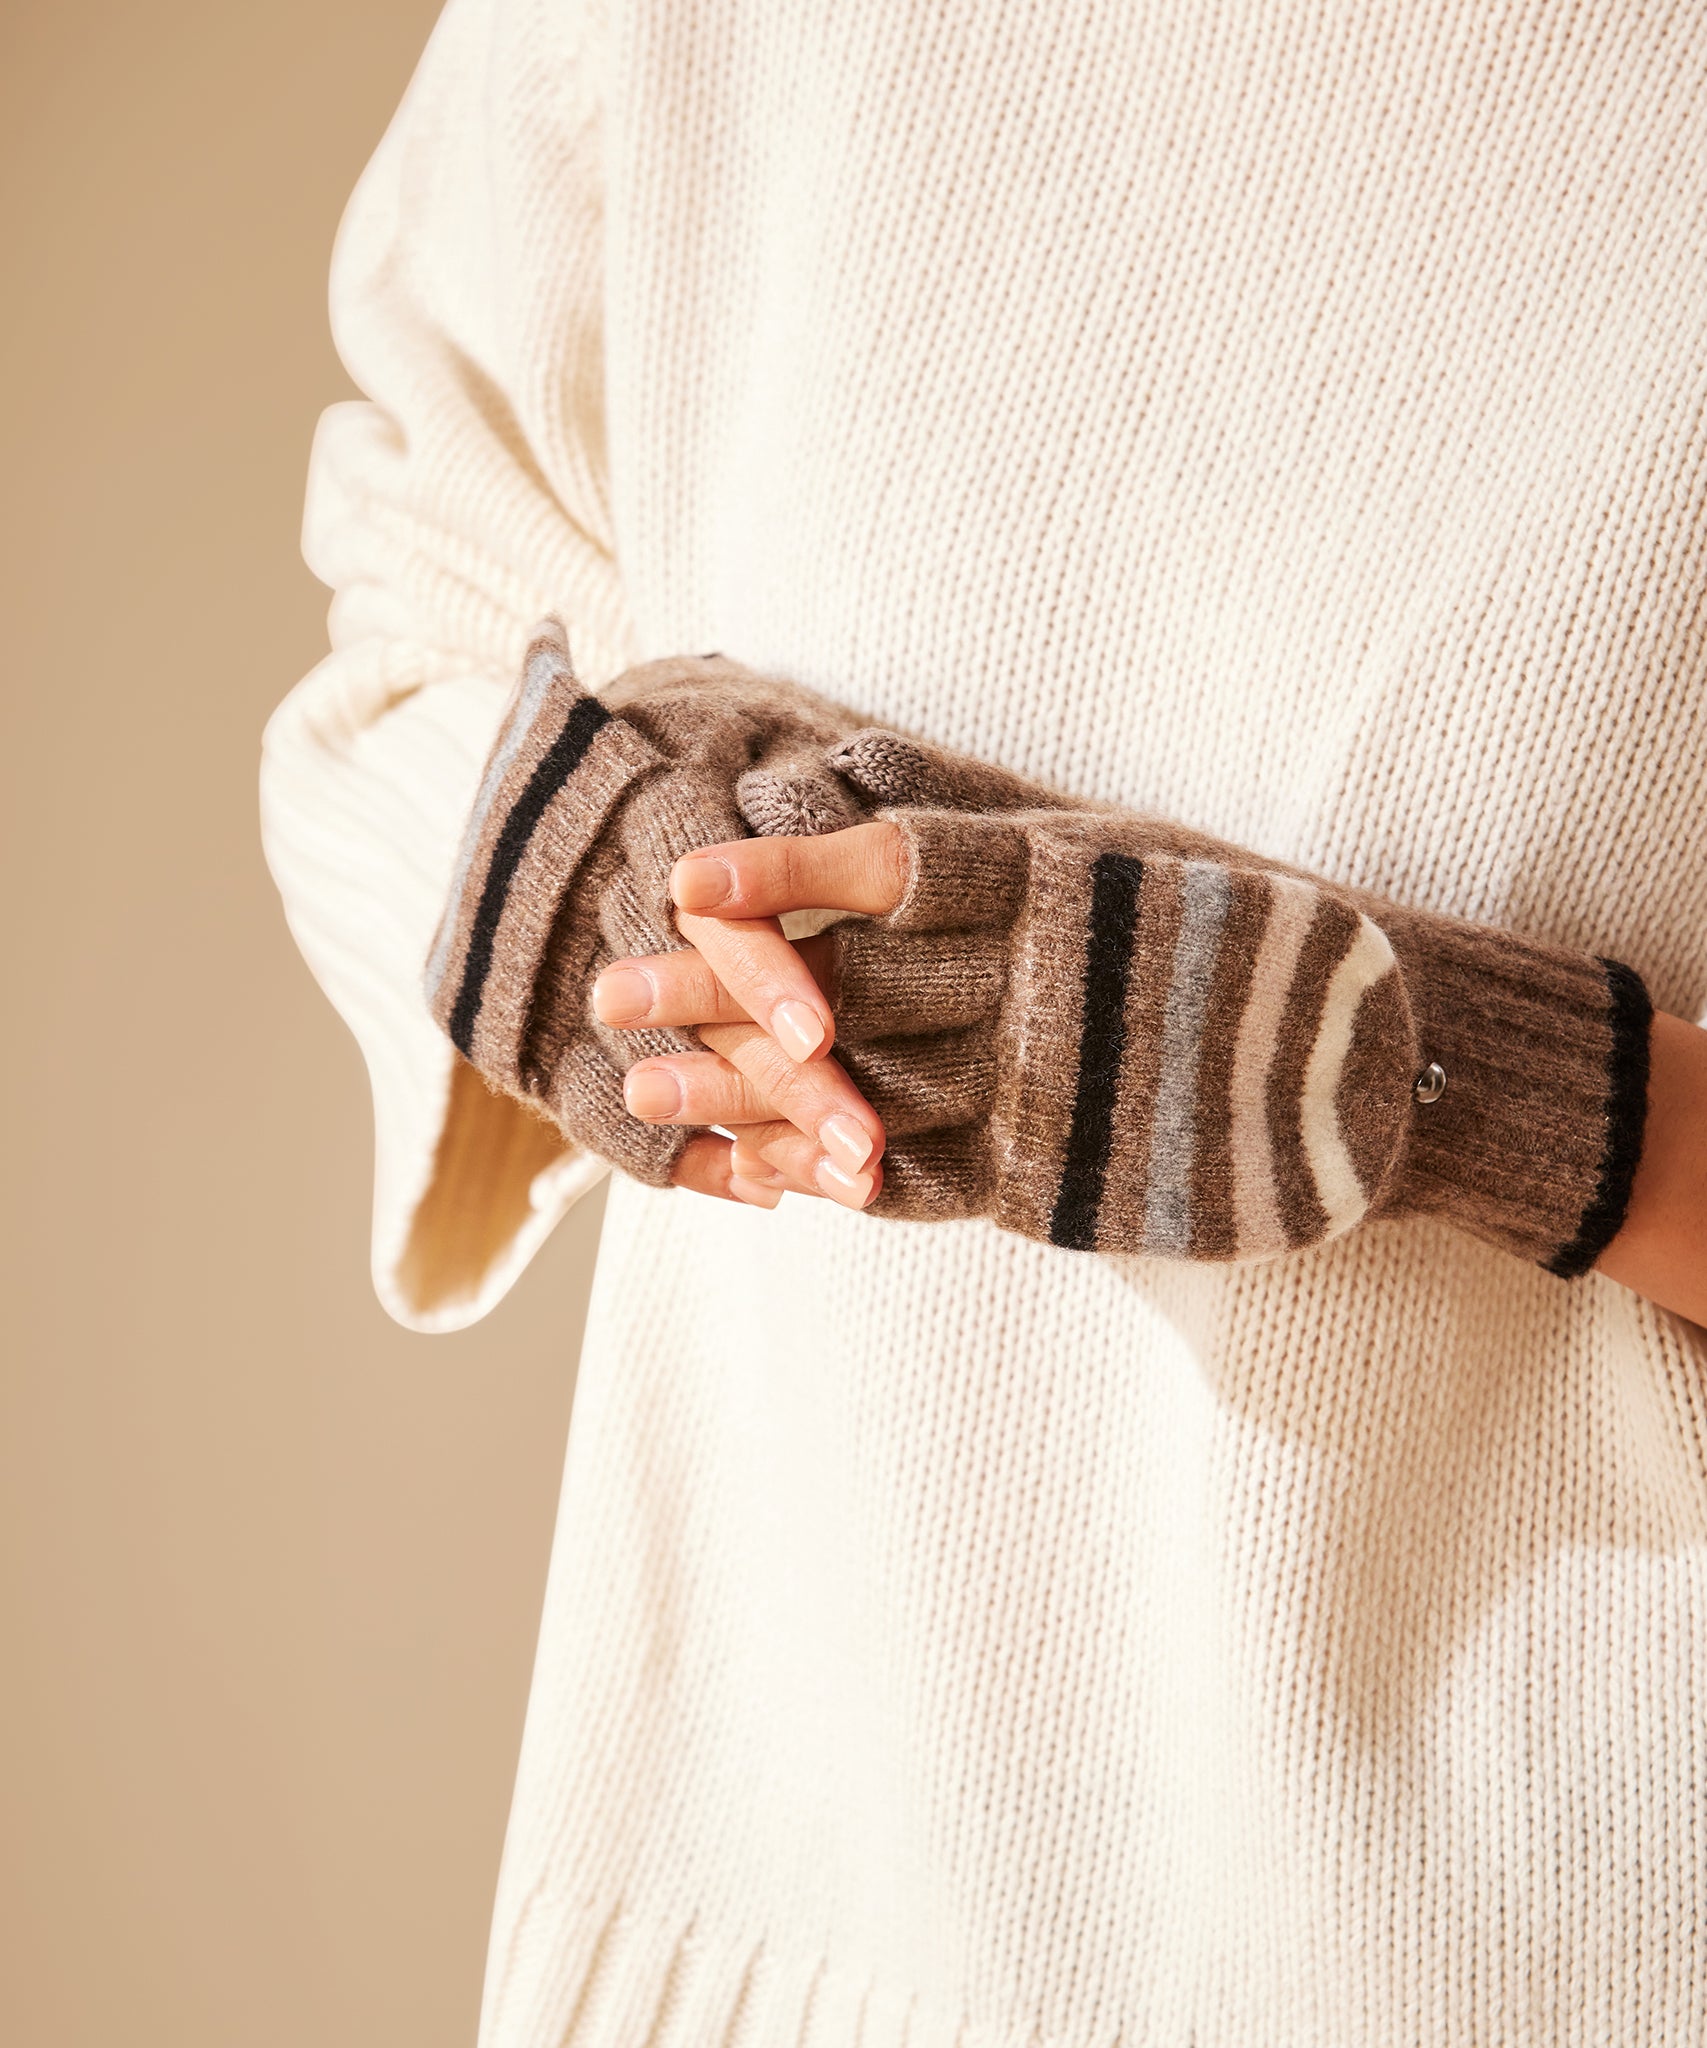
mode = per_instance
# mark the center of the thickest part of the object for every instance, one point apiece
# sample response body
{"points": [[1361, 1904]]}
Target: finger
{"points": [[801, 1165], [693, 1088], [775, 1147], [706, 1166], [767, 978], [818, 1099], [663, 989], [863, 868], [745, 1079], [678, 989], [778, 1153]]}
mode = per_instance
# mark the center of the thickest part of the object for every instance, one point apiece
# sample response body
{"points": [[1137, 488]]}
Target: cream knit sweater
{"points": [[1285, 415]]}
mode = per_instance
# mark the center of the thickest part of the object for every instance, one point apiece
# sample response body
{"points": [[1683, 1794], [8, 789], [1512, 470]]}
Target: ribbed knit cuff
{"points": [[1534, 1140]]}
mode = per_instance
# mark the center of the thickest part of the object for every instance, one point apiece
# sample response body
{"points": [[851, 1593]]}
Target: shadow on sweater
{"points": [[1448, 1435]]}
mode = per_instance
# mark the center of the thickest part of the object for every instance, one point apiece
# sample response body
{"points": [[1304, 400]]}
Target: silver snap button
{"points": [[1430, 1084]]}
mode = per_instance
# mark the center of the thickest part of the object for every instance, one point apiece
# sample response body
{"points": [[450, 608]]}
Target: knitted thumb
{"points": [[803, 790], [793, 792], [890, 768]]}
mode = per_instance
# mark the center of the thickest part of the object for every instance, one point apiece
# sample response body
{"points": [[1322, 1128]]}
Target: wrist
{"points": [[1661, 1249]]}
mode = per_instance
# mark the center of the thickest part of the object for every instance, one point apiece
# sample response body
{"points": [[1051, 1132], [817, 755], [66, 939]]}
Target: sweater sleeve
{"points": [[463, 497]]}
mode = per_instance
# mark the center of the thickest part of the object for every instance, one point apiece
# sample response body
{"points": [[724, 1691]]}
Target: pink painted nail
{"points": [[847, 1141], [798, 1029], [759, 1193], [852, 1190], [621, 994], [701, 882], [652, 1093]]}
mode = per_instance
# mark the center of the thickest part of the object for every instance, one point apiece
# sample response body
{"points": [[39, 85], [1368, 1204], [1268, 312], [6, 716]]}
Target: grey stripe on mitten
{"points": [[584, 806], [1102, 1030], [1111, 1033]]}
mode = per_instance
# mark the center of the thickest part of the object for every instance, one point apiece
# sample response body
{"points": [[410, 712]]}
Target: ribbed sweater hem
{"points": [[580, 1976]]}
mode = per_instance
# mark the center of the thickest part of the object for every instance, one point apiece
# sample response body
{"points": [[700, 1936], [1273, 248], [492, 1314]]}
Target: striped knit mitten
{"points": [[584, 806], [1113, 1034]]}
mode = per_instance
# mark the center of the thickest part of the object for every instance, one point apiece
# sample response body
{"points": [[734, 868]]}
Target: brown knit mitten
{"points": [[1110, 1033], [584, 806]]}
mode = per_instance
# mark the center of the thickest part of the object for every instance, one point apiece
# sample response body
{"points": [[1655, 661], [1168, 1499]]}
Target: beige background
{"points": [[272, 1566]]}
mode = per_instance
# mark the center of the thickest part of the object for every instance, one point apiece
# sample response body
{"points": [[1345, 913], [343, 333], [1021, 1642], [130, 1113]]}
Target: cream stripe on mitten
{"points": [[1111, 1033], [584, 806]]}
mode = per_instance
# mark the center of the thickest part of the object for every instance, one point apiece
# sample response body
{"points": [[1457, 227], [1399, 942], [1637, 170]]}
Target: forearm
{"points": [[1661, 1251]]}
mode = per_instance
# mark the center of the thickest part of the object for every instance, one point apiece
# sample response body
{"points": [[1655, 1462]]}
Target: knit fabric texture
{"points": [[1142, 1040], [582, 809], [1103, 1031], [1288, 419]]}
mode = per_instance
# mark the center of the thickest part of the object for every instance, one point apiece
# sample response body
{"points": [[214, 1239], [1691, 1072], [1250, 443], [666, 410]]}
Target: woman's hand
{"points": [[767, 1023], [1662, 1249], [742, 969]]}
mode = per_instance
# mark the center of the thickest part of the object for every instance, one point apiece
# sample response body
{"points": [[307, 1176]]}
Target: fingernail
{"points": [[750, 1167], [758, 1192], [698, 882], [847, 1141], [621, 993], [851, 1189], [652, 1093], [798, 1029]]}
